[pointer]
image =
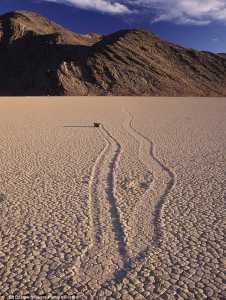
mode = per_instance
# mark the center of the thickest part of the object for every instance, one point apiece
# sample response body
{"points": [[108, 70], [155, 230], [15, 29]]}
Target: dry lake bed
{"points": [[132, 209]]}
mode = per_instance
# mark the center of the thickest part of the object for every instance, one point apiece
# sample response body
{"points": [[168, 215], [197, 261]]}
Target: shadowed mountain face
{"points": [[39, 57]]}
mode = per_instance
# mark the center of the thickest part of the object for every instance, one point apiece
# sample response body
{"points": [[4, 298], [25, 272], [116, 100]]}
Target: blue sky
{"points": [[199, 24]]}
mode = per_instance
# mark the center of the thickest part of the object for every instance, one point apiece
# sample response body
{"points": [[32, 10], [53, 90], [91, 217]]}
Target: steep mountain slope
{"points": [[138, 62], [39, 57], [16, 25]]}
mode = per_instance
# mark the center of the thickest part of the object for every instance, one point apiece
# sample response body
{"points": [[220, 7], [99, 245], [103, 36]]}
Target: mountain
{"points": [[39, 57]]}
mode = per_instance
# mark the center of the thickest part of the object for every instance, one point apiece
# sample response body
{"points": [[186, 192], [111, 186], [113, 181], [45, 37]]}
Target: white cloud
{"points": [[106, 6], [198, 12]]}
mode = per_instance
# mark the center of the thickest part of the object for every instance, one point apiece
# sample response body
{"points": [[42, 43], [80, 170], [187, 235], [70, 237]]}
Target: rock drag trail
{"points": [[164, 178], [107, 252], [96, 266], [133, 210]]}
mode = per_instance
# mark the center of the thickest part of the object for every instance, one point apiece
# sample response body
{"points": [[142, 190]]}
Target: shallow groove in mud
{"points": [[94, 205], [169, 185], [94, 209], [110, 155], [102, 175], [144, 254], [115, 215]]}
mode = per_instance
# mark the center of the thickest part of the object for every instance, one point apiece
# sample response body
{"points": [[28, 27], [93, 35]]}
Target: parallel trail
{"points": [[107, 251], [165, 179], [112, 198], [107, 260], [122, 211], [94, 209]]}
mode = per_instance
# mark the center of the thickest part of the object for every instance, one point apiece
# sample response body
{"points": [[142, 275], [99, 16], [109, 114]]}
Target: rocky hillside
{"points": [[39, 57]]}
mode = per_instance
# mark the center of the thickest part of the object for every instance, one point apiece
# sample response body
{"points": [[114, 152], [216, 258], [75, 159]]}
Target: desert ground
{"points": [[133, 209]]}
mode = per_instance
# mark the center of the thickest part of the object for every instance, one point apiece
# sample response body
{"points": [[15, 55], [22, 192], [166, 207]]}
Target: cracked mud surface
{"points": [[131, 210]]}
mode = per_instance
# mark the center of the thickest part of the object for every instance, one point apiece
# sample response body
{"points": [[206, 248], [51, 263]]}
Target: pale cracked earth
{"points": [[131, 210]]}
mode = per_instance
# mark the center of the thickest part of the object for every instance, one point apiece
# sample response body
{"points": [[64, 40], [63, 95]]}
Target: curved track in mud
{"points": [[134, 212], [163, 173], [164, 181], [107, 260], [107, 252], [112, 198]]}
